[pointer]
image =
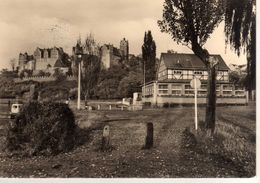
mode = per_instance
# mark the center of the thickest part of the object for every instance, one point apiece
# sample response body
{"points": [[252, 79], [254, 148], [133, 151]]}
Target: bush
{"points": [[42, 128], [166, 105]]}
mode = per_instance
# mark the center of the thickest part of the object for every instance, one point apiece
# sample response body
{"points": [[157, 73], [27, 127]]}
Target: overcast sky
{"points": [[27, 24]]}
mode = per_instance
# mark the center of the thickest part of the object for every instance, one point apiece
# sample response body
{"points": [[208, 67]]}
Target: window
{"points": [[177, 72], [198, 72], [176, 89], [203, 86], [227, 93], [227, 90], [163, 92], [163, 89], [240, 93], [188, 90], [202, 93], [227, 87], [188, 87]]}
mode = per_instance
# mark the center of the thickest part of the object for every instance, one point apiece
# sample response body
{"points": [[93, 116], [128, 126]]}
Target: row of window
{"points": [[176, 89]]}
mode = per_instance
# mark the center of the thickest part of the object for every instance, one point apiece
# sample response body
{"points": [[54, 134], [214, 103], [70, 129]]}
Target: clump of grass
{"points": [[229, 141]]}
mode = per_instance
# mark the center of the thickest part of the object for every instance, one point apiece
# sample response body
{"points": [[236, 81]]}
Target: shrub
{"points": [[166, 105], [42, 128]]}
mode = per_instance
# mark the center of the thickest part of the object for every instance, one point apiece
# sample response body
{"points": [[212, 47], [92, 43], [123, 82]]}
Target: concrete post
{"points": [[149, 136], [105, 138]]}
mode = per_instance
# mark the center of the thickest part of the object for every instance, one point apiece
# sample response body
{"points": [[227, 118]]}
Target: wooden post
{"points": [[149, 136], [105, 138]]}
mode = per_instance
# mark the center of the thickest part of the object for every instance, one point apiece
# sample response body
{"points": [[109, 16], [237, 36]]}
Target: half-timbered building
{"points": [[173, 76]]}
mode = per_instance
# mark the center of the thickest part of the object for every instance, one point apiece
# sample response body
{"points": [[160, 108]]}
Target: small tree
{"points": [[191, 22]]}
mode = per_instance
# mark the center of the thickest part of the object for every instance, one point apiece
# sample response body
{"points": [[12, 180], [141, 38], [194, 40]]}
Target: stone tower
{"points": [[124, 48]]}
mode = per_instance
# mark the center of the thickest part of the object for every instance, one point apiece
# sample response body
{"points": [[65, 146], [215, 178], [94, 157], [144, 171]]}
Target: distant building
{"points": [[111, 55], [46, 59], [124, 49], [108, 54], [26, 61], [173, 76]]}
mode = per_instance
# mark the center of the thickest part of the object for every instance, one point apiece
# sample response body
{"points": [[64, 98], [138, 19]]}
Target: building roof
{"points": [[189, 61]]}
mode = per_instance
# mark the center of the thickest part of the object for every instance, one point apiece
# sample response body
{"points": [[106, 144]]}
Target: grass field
{"points": [[173, 154]]}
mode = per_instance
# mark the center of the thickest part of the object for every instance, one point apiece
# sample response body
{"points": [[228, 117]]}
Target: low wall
{"points": [[41, 79], [190, 100]]}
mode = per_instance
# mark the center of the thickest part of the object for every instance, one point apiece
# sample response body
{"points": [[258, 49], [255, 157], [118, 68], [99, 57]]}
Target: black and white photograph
{"points": [[109, 89]]}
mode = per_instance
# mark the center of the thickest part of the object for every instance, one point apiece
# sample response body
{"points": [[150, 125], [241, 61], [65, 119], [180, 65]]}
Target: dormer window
{"points": [[177, 72], [198, 72]]}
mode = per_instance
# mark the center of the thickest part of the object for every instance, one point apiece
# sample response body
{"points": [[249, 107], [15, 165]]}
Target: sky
{"points": [[27, 24]]}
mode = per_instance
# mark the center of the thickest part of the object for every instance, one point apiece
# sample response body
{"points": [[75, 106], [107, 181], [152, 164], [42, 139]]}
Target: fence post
{"points": [[110, 107], [149, 136], [98, 107], [105, 138]]}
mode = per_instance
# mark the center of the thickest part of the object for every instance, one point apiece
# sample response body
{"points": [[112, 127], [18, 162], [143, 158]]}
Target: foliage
{"points": [[109, 80], [239, 20], [58, 74], [42, 128], [26, 73], [6, 83], [54, 93], [149, 56], [90, 73], [238, 79], [130, 84], [191, 21], [240, 30]]}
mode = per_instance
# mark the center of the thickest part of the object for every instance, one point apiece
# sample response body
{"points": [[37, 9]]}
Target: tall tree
{"points": [[149, 56], [240, 29], [191, 22], [90, 73], [90, 66]]}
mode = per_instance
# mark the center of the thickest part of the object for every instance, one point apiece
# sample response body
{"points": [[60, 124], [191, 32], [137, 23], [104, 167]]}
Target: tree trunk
{"points": [[211, 101], [211, 86]]}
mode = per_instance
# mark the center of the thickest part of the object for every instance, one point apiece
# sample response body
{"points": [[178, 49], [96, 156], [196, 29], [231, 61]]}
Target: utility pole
{"points": [[79, 82], [144, 80], [79, 53]]}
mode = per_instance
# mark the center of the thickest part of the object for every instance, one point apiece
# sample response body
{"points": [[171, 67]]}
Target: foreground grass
{"points": [[176, 152]]}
